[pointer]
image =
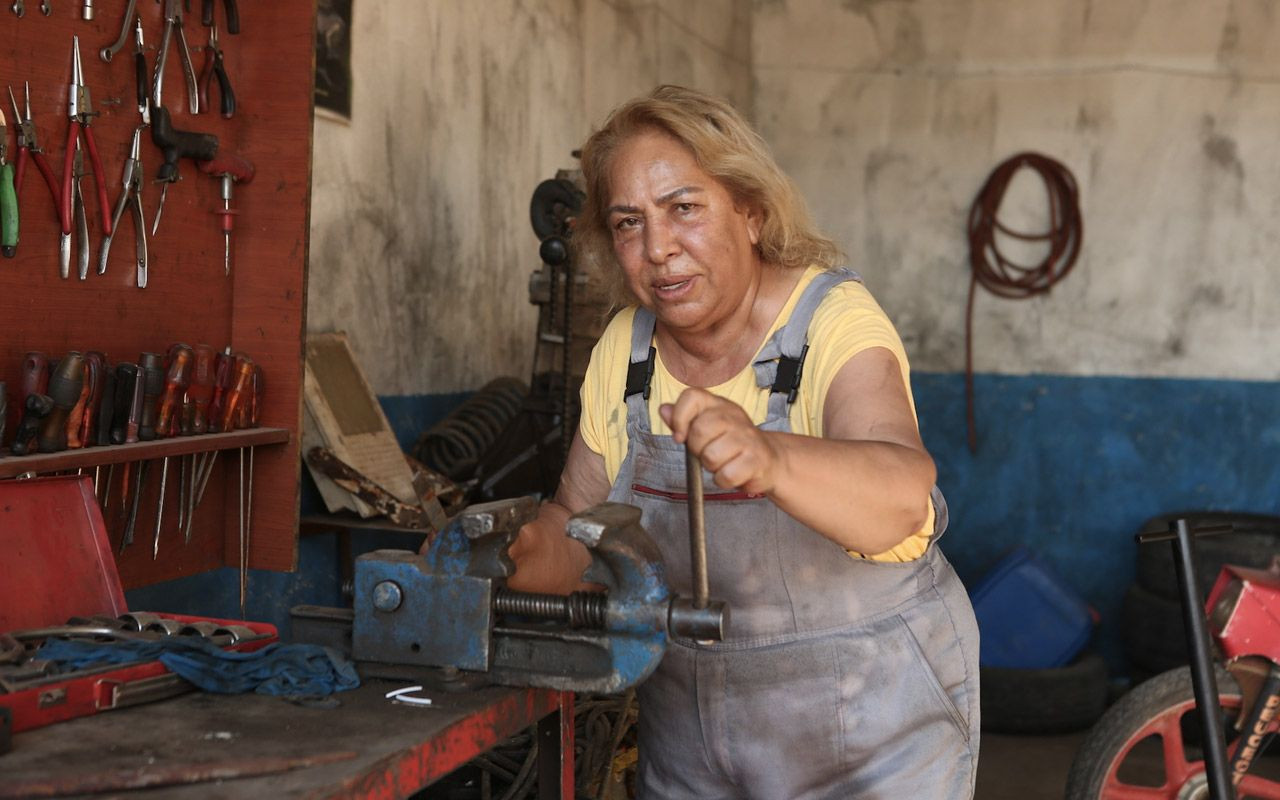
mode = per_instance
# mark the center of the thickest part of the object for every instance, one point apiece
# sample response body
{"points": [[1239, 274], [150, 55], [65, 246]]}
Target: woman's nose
{"points": [[661, 243]]}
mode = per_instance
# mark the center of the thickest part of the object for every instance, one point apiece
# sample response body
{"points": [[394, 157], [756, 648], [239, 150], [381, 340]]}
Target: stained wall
{"points": [[421, 244], [1143, 383]]}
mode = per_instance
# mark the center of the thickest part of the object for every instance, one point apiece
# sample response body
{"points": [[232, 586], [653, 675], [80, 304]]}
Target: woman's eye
{"points": [[625, 223], [684, 208]]}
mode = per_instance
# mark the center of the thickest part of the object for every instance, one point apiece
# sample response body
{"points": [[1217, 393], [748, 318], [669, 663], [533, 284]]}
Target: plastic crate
{"points": [[1028, 618]]}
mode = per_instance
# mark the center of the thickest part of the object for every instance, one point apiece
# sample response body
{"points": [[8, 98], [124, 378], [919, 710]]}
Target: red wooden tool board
{"points": [[55, 564]]}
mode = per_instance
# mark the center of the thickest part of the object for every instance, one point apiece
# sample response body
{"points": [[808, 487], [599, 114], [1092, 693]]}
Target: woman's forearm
{"points": [[867, 496]]}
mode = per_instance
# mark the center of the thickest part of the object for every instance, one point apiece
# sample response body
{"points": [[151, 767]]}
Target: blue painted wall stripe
{"points": [[1072, 467], [1068, 466]]}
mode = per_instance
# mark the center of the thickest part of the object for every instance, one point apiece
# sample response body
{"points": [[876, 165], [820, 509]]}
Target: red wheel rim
{"points": [[1179, 771]]}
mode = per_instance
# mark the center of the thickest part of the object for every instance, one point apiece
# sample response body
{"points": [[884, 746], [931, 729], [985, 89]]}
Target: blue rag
{"points": [[277, 669]]}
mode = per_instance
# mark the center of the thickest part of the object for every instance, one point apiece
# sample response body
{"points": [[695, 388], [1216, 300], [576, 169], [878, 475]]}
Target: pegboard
{"points": [[258, 309]]}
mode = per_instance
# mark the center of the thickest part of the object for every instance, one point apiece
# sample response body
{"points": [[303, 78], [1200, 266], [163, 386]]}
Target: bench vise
{"points": [[450, 607]]}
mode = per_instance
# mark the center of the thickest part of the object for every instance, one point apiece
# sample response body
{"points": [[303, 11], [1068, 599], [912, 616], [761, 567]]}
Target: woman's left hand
{"points": [[724, 439]]}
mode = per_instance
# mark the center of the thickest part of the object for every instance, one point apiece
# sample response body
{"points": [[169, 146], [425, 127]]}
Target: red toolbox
{"points": [[55, 566]]}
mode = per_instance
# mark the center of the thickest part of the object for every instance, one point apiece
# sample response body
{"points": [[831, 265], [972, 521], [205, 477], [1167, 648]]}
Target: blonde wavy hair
{"points": [[728, 149]]}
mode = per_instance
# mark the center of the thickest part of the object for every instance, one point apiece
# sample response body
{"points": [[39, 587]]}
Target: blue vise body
{"points": [[450, 607]]}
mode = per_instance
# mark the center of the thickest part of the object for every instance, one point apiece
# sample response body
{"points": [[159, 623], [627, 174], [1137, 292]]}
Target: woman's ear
{"points": [[755, 221]]}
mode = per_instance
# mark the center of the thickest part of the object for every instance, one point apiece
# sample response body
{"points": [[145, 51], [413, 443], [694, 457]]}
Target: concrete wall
{"points": [[421, 246], [1142, 384], [891, 114]]}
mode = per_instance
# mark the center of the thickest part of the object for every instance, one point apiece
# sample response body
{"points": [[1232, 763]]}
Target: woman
{"points": [[850, 665]]}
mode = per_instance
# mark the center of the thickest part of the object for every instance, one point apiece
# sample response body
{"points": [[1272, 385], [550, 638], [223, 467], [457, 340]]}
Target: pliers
{"points": [[130, 195], [75, 201], [213, 66], [80, 112], [8, 198], [233, 15], [172, 22], [28, 148]]}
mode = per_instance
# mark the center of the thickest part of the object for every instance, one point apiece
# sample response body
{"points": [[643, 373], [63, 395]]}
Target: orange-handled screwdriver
{"points": [[175, 386], [200, 390], [242, 378]]}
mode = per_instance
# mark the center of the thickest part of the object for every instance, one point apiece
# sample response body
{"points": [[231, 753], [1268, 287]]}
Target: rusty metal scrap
{"points": [[345, 476]]}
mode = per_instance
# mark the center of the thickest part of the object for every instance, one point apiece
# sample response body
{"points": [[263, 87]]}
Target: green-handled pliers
{"points": [[8, 197]]}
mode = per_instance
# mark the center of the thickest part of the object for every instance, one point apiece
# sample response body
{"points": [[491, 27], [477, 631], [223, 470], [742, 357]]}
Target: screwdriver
{"points": [[242, 377], [175, 386], [124, 429], [241, 386], [82, 421], [223, 364], [35, 409], [230, 170], [64, 389], [35, 376], [200, 389], [71, 436], [199, 393], [254, 405], [222, 378], [106, 411], [128, 405], [151, 373]]}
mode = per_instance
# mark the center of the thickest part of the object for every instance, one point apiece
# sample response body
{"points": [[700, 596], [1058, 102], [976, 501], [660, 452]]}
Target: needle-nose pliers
{"points": [[130, 195], [29, 149], [80, 112]]}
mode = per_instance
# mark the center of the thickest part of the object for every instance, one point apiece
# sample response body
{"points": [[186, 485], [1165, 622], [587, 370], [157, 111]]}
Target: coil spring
{"points": [[455, 445], [579, 610]]}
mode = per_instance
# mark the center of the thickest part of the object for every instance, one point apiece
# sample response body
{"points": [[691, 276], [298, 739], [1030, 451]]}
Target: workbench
{"points": [[204, 745]]}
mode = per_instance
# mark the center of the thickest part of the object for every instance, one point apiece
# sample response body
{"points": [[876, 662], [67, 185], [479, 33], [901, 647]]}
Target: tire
{"points": [[1253, 543], [1111, 759], [1155, 638], [1055, 700]]}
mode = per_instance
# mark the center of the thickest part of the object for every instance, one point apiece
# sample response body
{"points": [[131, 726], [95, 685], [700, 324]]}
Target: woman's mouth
{"points": [[671, 289]]}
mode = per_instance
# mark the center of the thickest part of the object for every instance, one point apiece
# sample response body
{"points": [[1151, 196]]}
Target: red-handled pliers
{"points": [[81, 114], [28, 148]]}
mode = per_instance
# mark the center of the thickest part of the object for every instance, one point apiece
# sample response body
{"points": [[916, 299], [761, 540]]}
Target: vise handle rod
{"points": [[697, 530]]}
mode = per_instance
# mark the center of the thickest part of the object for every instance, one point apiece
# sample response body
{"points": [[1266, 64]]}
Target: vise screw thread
{"points": [[578, 610]]}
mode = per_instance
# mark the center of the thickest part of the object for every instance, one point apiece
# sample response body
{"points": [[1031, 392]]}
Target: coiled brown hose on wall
{"points": [[995, 271]]}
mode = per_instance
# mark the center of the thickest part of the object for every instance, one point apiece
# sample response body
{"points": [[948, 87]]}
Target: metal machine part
{"points": [[450, 608]]}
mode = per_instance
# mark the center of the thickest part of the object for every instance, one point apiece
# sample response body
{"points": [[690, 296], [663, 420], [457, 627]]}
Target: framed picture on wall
{"points": [[333, 58]]}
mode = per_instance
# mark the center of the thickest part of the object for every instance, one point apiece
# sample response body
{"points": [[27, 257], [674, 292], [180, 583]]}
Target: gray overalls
{"points": [[840, 677]]}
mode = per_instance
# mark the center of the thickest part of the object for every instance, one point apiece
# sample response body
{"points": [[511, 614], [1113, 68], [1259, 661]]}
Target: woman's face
{"points": [[686, 249]]}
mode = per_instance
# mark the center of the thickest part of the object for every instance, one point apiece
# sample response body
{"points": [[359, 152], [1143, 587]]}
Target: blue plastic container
{"points": [[1028, 618]]}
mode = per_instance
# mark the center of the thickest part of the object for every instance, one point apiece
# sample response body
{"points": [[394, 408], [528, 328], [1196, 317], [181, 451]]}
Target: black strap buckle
{"points": [[639, 375], [789, 373]]}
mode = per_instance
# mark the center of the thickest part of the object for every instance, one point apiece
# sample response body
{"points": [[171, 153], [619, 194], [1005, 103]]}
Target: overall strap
{"points": [[640, 368], [781, 361]]}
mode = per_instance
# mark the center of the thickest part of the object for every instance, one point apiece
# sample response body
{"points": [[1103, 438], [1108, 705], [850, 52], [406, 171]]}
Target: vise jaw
{"points": [[450, 607]]}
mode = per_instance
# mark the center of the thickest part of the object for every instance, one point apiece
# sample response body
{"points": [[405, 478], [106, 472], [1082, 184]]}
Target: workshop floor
{"points": [[1025, 767]]}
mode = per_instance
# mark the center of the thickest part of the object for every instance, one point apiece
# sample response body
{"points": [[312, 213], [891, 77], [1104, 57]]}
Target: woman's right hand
{"points": [[546, 559]]}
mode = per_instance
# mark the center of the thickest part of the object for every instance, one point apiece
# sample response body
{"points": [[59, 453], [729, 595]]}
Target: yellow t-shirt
{"points": [[846, 322]]}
